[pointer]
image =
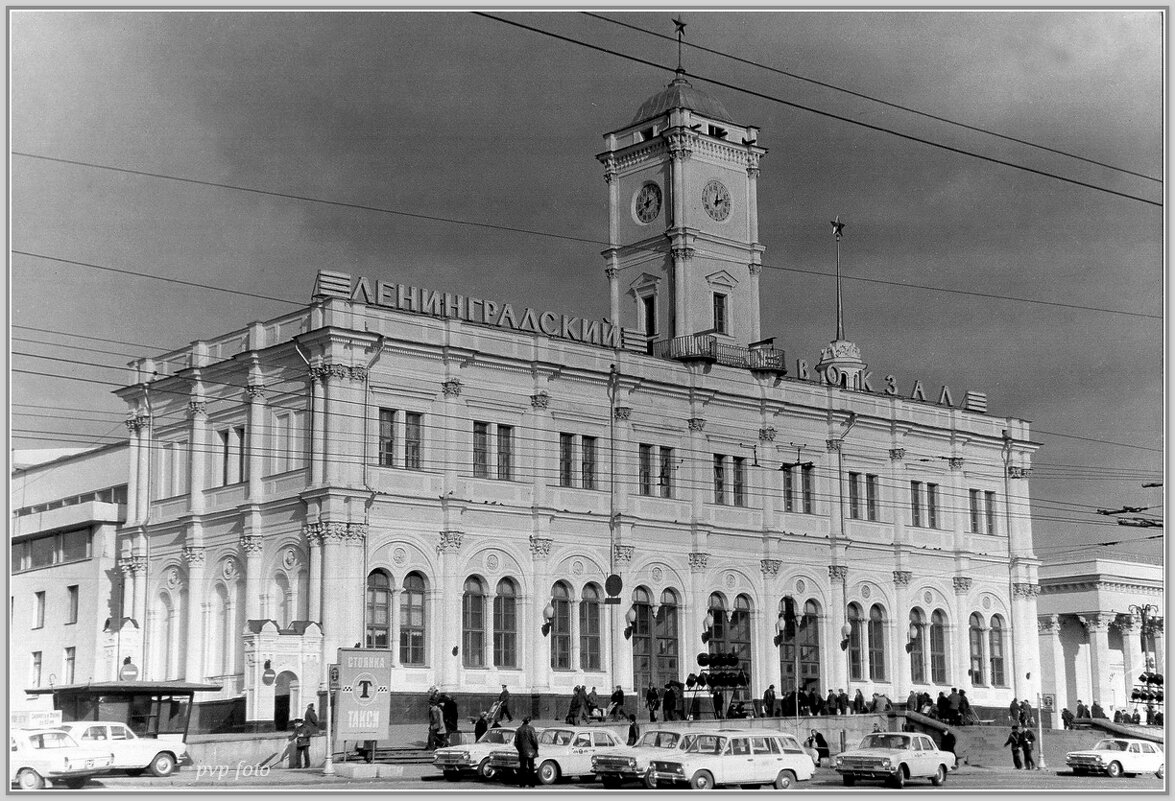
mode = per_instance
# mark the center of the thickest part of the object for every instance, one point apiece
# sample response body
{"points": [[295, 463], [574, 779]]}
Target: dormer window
{"points": [[717, 133], [646, 134]]}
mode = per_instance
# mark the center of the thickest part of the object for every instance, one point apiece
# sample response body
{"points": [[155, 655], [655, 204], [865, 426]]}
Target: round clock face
{"points": [[716, 200], [647, 203]]}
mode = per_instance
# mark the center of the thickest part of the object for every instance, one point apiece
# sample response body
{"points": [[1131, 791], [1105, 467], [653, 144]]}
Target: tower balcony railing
{"points": [[706, 348]]}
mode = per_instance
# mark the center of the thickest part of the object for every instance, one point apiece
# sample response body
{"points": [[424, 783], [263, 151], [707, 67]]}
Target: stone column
{"points": [[680, 148], [133, 477], [144, 456], [317, 424], [694, 616], [613, 274], [448, 551], [198, 436], [754, 268], [772, 670], [334, 573], [354, 585], [334, 420], [903, 680], [194, 646], [313, 534], [622, 648], [836, 490], [1053, 661], [531, 629], [1027, 660], [1097, 626], [898, 496], [1133, 659], [752, 309], [255, 454], [957, 506], [839, 678], [961, 642], [251, 548]]}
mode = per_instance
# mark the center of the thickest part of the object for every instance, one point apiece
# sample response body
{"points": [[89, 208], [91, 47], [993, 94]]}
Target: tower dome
{"points": [[680, 93]]}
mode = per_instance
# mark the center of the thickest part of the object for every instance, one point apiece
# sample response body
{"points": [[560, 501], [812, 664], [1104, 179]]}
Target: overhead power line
{"points": [[873, 99], [821, 112]]}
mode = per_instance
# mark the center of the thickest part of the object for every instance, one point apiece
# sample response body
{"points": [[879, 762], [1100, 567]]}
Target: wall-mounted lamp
{"points": [[846, 632], [780, 627], [708, 627], [630, 619], [548, 616], [912, 635]]}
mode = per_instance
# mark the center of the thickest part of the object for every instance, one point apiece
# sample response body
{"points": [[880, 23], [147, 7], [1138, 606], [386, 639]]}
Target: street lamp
{"points": [[630, 619], [846, 632], [708, 627], [912, 635], [548, 616]]}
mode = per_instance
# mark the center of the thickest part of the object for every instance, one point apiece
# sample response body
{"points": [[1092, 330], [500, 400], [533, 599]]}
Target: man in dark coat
{"points": [[1096, 711], [653, 702], [593, 703], [585, 705], [964, 708], [954, 704], [943, 707], [769, 701], [1025, 713], [1027, 738], [842, 702], [816, 740], [948, 741], [830, 703], [616, 708], [527, 743], [300, 756], [1082, 709], [450, 716], [436, 725], [504, 705], [311, 718], [1016, 742], [573, 708], [719, 701], [669, 702], [912, 702], [634, 731], [815, 702], [1066, 718], [481, 726]]}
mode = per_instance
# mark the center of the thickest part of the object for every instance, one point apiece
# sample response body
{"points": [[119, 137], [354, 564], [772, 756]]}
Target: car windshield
{"points": [[1110, 745], [660, 739], [556, 737], [708, 744], [498, 736], [890, 741]]}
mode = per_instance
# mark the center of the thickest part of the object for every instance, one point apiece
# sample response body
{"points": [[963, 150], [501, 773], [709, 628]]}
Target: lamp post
{"points": [[548, 616], [846, 633], [1145, 611]]}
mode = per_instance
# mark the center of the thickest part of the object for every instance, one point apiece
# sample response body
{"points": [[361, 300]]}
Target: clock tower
{"points": [[684, 255]]}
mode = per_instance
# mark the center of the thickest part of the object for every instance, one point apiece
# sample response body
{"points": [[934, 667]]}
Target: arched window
{"points": [[808, 635], [717, 614], [506, 624], [412, 620], [473, 623], [855, 655], [589, 628], [561, 627], [379, 609], [995, 640], [975, 627], [223, 621], [281, 600], [876, 643], [642, 639], [665, 634], [918, 646], [938, 647], [740, 643], [163, 635]]}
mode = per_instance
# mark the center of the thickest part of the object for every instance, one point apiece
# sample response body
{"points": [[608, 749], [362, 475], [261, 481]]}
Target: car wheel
{"points": [[940, 776], [651, 780], [548, 773], [163, 764], [899, 778], [75, 782], [1159, 772], [611, 782], [1114, 770], [702, 780], [29, 779], [485, 769], [849, 780], [785, 780]]}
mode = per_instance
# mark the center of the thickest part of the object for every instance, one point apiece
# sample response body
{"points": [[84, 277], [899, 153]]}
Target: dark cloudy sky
{"points": [[458, 116]]}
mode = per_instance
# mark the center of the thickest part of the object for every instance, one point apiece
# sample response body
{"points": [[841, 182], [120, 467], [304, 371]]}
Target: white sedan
{"points": [[563, 752], [459, 760], [895, 757], [132, 753], [615, 766], [1114, 756], [741, 758], [40, 754]]}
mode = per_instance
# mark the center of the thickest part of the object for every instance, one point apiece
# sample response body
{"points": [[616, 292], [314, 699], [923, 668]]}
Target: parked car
{"points": [[564, 752], [1114, 756], [37, 755], [132, 753], [741, 758], [895, 757], [460, 760], [615, 766]]}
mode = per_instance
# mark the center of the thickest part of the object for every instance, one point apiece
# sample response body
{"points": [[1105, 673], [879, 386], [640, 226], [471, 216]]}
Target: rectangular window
{"points": [[43, 551], [566, 458], [871, 496], [35, 673], [287, 448], [505, 452], [71, 604], [789, 489], [587, 453], [67, 667], [645, 479], [719, 479], [39, 609], [989, 507], [413, 439], [932, 505], [739, 480], [916, 503], [974, 498], [473, 630], [589, 635], [505, 630], [75, 545], [854, 495], [650, 309], [806, 473], [719, 313], [387, 438], [232, 455], [666, 476], [481, 450]]}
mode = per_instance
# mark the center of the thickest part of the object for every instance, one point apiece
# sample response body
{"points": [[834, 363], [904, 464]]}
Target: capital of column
{"points": [[313, 534], [622, 412], [955, 462], [832, 444], [255, 392], [680, 145], [1017, 472], [1023, 589], [1048, 624], [897, 454], [540, 400], [838, 572], [333, 532], [623, 553], [1127, 624], [962, 584], [612, 273], [137, 423], [540, 547], [1096, 622], [193, 555], [767, 434], [754, 269], [132, 565], [698, 561], [901, 578], [682, 253], [609, 169], [317, 374], [451, 388], [339, 371], [770, 567], [357, 533], [449, 542], [696, 423], [251, 544], [357, 373], [197, 409]]}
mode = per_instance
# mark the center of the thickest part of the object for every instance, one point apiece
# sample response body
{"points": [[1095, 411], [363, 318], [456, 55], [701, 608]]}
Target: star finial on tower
{"points": [[837, 228], [680, 26]]}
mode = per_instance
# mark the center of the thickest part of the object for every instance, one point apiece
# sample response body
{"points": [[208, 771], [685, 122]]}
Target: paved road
{"points": [[425, 777]]}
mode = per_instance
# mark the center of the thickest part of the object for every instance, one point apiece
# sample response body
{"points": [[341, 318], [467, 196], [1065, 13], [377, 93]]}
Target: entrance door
{"points": [[285, 686]]}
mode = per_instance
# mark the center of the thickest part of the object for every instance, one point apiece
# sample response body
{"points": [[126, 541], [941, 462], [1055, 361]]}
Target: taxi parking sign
{"points": [[365, 677]]}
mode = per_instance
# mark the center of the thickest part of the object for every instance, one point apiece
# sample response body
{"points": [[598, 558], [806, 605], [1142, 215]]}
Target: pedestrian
{"points": [[1014, 711], [450, 716], [527, 743], [436, 725], [1095, 711], [1014, 740], [769, 701], [653, 702], [1135, 718], [634, 731], [842, 702], [481, 726], [669, 702], [1150, 714], [504, 705], [830, 703], [954, 705], [1082, 710], [943, 707], [964, 708], [716, 694], [912, 702], [1117, 715], [1026, 713], [616, 708], [311, 718], [585, 707], [593, 702], [1066, 718], [1027, 738], [876, 728], [859, 703], [816, 740], [948, 741], [815, 702]]}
